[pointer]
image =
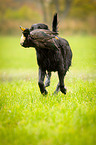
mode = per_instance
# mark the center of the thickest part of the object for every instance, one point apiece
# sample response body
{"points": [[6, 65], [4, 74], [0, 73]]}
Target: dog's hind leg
{"points": [[47, 82], [41, 82], [57, 88]]}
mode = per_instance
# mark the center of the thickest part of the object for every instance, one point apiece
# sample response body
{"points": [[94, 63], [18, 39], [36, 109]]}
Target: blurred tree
{"points": [[74, 8], [68, 4], [23, 13], [82, 9], [55, 6], [44, 10]]}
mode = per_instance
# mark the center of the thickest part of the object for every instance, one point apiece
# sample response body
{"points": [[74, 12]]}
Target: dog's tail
{"points": [[54, 24]]}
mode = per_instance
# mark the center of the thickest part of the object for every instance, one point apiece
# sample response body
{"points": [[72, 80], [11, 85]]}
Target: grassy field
{"points": [[27, 117]]}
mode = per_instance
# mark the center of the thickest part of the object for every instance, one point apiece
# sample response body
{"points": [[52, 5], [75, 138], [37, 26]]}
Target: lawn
{"points": [[27, 117]]}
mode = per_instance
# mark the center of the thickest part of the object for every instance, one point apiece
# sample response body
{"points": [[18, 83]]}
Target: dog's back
{"points": [[39, 26]]}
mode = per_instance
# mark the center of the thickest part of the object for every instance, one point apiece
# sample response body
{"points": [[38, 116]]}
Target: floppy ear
{"points": [[23, 29]]}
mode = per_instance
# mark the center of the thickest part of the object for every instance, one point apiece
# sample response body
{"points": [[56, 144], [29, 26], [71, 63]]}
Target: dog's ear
{"points": [[54, 23]]}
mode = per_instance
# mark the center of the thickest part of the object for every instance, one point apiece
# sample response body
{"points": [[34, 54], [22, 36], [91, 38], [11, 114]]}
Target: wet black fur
{"points": [[51, 60], [39, 26]]}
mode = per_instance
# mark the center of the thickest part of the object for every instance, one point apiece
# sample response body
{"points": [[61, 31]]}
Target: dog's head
{"points": [[39, 26], [26, 40]]}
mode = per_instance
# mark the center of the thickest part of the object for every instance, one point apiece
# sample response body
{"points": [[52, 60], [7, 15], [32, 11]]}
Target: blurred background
{"points": [[74, 16], [76, 23], [26, 117]]}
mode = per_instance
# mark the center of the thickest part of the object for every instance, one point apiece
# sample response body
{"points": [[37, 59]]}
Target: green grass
{"points": [[27, 117]]}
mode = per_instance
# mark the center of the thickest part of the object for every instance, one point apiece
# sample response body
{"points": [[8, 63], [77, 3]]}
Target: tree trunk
{"points": [[57, 6], [44, 11], [67, 7]]}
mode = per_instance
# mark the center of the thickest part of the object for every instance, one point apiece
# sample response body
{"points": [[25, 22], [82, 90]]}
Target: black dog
{"points": [[48, 59]]}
